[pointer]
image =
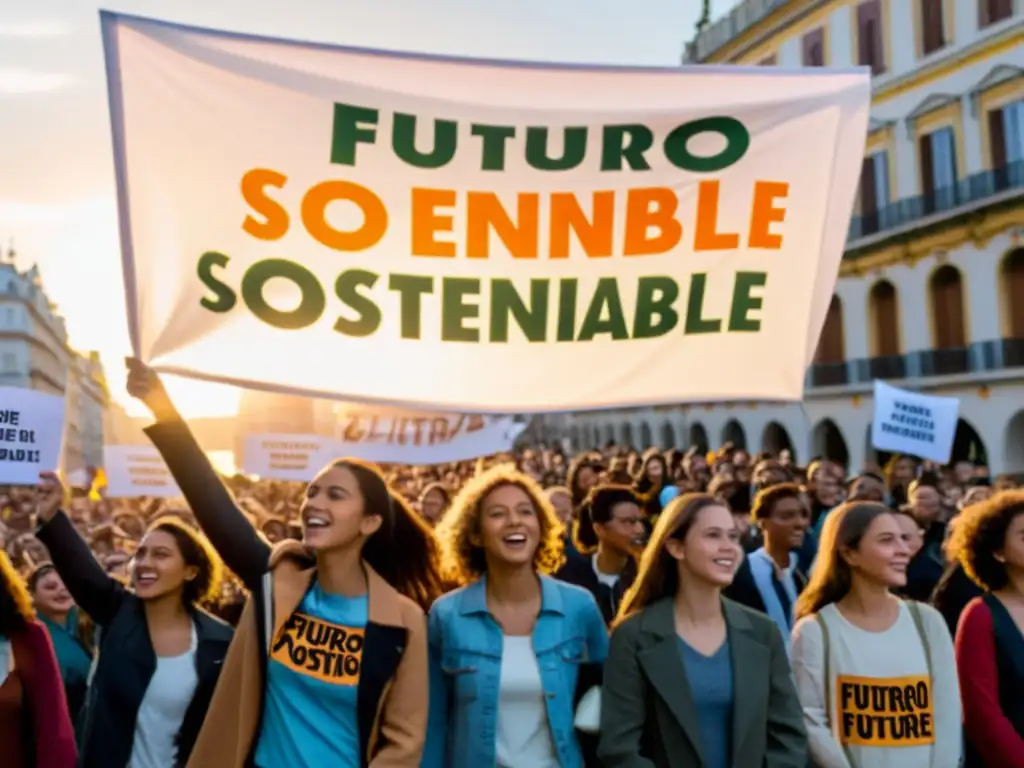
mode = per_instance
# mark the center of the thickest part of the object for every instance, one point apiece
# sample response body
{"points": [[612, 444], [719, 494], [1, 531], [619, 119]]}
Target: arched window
{"points": [[947, 293], [831, 344], [883, 310]]}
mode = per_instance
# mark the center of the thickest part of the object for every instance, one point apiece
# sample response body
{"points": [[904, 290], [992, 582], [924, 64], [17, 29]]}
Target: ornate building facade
{"points": [[931, 291]]}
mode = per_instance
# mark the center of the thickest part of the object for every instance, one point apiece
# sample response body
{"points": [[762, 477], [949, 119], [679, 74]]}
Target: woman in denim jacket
{"points": [[509, 650]]}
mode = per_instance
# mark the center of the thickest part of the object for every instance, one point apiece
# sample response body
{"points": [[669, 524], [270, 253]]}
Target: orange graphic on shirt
{"points": [[316, 648], [885, 712]]}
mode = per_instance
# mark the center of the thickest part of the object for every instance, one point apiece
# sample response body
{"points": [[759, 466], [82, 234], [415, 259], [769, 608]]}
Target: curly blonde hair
{"points": [[463, 561]]}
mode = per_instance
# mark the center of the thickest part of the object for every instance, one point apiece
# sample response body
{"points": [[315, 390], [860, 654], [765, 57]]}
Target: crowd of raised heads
{"points": [[611, 607]]}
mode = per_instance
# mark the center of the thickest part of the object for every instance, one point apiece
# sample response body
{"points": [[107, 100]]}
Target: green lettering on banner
{"points": [[403, 141], [695, 321], [574, 149], [655, 315], [411, 289], [350, 130], [359, 292], [567, 289], [737, 142], [625, 142], [346, 288], [743, 303], [311, 305], [455, 311], [225, 297], [604, 315], [506, 302], [495, 138]]}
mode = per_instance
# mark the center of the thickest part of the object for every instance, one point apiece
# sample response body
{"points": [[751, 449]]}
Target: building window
{"points": [[1006, 134], [993, 11], [814, 48], [947, 289], [874, 190], [870, 50], [933, 33], [938, 169], [10, 362]]}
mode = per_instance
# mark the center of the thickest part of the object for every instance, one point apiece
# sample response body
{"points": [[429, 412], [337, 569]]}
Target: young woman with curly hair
{"points": [[329, 661], [507, 649], [159, 654], [35, 728], [693, 678], [989, 540]]}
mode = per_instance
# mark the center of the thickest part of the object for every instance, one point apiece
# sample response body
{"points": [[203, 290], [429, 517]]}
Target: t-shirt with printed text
{"points": [[310, 715]]}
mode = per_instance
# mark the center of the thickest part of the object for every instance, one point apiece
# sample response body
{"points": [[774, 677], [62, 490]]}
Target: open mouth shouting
{"points": [[515, 541], [145, 580], [315, 519]]}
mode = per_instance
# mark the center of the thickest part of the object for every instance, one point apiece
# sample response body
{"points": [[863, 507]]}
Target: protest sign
{"points": [[31, 434], [386, 436], [500, 238], [287, 457], [915, 424], [137, 470]]}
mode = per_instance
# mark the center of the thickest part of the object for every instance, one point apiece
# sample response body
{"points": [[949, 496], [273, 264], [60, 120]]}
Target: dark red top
{"points": [[47, 709], [989, 730]]}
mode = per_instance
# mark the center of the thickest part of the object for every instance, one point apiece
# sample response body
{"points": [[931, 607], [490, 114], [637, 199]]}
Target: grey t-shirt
{"points": [[710, 681]]}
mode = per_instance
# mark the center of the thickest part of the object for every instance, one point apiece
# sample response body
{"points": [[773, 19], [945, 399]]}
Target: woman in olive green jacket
{"points": [[694, 679]]}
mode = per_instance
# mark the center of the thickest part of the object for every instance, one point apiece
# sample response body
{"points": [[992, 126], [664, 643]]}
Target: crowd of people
{"points": [[614, 607]]}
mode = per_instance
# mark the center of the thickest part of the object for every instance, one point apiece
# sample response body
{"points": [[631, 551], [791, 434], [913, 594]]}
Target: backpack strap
{"points": [[915, 614], [826, 656]]}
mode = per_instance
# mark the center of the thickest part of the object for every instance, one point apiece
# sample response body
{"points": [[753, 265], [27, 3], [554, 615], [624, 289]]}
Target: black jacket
{"points": [[745, 592], [126, 660], [580, 571]]}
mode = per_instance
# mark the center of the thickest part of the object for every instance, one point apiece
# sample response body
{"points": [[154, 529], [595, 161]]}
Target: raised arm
{"points": [[224, 524], [95, 591]]}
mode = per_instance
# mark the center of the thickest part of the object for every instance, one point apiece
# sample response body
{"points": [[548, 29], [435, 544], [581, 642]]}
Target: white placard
{"points": [[287, 457], [914, 424], [31, 433], [137, 470], [464, 235]]}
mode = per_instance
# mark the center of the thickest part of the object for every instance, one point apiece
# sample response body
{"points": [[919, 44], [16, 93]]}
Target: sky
{"points": [[56, 172]]}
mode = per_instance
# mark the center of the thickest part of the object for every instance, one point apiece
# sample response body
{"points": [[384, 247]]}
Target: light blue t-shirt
{"points": [[710, 680], [310, 715]]}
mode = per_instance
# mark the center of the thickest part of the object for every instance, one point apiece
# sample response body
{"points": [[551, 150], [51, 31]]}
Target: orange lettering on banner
{"points": [[885, 712], [319, 649]]}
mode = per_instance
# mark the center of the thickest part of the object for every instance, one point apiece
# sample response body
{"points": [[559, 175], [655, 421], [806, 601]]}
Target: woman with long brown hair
{"points": [[875, 675], [693, 678], [35, 728], [329, 661]]}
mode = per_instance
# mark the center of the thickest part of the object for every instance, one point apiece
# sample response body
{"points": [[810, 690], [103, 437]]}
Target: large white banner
{"points": [[915, 424], [387, 436], [473, 236], [137, 470]]}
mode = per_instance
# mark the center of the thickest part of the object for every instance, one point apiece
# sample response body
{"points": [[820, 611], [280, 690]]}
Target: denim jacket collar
{"points": [[475, 597]]}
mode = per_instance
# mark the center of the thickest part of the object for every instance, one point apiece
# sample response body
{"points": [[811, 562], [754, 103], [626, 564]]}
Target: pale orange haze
{"points": [[56, 186]]}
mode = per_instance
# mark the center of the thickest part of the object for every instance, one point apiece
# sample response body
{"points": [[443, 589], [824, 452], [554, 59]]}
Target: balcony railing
{"points": [[967, 192], [981, 357]]}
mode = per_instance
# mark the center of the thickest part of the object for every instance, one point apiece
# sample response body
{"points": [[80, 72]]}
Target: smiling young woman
{"points": [[706, 674], [509, 650], [876, 675], [160, 653], [329, 662]]}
